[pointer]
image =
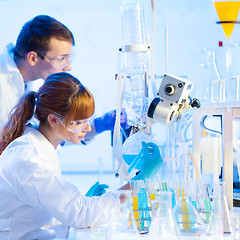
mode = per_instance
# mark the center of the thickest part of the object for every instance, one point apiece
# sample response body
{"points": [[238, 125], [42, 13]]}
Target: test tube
{"points": [[135, 189]]}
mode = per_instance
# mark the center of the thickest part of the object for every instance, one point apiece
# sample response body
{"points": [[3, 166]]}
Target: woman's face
{"points": [[76, 137], [56, 130], [75, 131]]}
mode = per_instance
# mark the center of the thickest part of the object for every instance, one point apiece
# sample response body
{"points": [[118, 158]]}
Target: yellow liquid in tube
{"points": [[152, 196], [135, 210], [185, 214], [227, 11]]}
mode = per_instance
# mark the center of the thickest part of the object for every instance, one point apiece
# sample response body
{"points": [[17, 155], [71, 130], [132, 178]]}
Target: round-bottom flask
{"points": [[133, 145]]}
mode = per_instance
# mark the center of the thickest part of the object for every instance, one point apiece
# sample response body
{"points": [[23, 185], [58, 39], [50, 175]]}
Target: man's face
{"points": [[57, 58]]}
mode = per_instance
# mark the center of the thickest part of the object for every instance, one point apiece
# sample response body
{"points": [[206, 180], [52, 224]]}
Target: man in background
{"points": [[44, 46]]}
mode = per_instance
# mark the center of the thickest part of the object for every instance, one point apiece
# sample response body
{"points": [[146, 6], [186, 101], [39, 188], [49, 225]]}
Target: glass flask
{"points": [[163, 225], [133, 145], [187, 217], [220, 221], [122, 224], [209, 75]]}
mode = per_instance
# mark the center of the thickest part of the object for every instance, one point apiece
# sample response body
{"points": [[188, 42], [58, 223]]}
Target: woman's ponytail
{"points": [[61, 93], [20, 115]]}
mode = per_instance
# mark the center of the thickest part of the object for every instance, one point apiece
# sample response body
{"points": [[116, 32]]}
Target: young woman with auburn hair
{"points": [[32, 189]]}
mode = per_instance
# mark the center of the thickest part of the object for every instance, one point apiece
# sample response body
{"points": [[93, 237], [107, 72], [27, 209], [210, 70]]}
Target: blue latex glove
{"points": [[151, 161], [96, 189], [107, 121]]}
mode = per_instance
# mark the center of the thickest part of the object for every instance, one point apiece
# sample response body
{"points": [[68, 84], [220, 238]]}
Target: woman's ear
{"points": [[52, 120], [32, 58]]}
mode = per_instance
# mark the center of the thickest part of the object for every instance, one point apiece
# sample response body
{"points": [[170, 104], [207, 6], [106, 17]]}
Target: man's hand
{"points": [[107, 121]]}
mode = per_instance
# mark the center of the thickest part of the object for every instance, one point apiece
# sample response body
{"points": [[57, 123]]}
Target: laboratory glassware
{"points": [[123, 224], [132, 76], [185, 171], [220, 221], [144, 209], [228, 58], [201, 195], [209, 73], [227, 12], [163, 225], [187, 217], [141, 205], [135, 58], [133, 145], [134, 185]]}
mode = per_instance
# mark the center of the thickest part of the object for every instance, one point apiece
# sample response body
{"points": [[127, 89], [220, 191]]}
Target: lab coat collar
{"points": [[38, 136], [9, 58]]}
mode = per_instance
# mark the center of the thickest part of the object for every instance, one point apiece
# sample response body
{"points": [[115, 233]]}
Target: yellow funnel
{"points": [[227, 12]]}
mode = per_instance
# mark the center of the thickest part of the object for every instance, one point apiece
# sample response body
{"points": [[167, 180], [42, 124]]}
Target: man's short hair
{"points": [[35, 35]]}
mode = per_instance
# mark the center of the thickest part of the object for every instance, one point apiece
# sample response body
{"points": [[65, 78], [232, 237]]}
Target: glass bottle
{"points": [[210, 75], [228, 56]]}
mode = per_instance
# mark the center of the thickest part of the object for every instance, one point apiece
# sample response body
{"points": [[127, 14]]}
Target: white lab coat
{"points": [[11, 84], [32, 191]]}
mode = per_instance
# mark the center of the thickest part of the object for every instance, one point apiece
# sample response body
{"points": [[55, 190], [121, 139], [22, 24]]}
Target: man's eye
{"points": [[61, 59]]}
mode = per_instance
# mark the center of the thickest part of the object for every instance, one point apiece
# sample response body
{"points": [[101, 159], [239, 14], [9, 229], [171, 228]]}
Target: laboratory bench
{"points": [[99, 233]]}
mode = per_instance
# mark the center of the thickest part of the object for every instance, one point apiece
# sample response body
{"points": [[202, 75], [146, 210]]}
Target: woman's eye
{"points": [[64, 59]]}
